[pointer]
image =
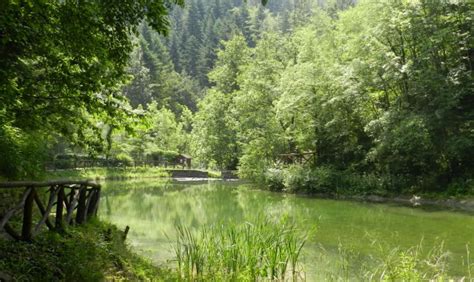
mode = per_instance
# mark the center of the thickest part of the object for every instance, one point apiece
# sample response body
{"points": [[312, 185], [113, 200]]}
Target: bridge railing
{"points": [[69, 202]]}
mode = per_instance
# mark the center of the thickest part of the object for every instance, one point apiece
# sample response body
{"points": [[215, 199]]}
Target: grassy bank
{"points": [[91, 252], [116, 173], [329, 181], [102, 173]]}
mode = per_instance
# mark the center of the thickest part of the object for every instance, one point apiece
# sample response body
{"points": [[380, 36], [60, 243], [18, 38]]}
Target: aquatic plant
{"points": [[412, 264], [255, 250], [468, 264]]}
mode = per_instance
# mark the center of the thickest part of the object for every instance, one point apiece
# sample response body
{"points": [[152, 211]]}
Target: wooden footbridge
{"points": [[65, 203]]}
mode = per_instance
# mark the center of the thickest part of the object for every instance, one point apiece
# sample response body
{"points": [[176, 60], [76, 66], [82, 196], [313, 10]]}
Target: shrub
{"points": [[312, 180], [327, 180], [124, 159], [461, 186], [274, 179], [22, 153]]}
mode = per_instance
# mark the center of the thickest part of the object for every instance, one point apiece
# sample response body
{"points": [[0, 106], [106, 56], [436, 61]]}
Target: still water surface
{"points": [[348, 236]]}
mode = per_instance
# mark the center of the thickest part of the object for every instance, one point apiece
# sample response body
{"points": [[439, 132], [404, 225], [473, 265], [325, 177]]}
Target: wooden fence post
{"points": [[81, 208], [43, 209], [59, 208], [28, 216], [97, 200], [94, 201]]}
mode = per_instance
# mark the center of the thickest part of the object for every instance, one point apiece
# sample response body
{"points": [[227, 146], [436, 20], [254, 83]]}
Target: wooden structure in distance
{"points": [[297, 158]]}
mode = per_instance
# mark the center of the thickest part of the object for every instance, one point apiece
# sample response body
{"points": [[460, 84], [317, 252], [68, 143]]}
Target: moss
{"points": [[92, 252]]}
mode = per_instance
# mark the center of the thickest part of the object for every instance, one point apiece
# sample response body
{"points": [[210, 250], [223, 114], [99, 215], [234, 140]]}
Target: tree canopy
{"points": [[62, 62], [384, 87]]}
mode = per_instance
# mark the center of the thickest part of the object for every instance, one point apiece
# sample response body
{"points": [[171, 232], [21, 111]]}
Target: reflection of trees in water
{"points": [[124, 187], [254, 202], [201, 205], [108, 208], [153, 210]]}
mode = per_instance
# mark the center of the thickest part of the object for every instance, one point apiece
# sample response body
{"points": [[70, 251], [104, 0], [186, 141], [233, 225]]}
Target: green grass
{"points": [[91, 252], [257, 250], [214, 174], [109, 173], [116, 173]]}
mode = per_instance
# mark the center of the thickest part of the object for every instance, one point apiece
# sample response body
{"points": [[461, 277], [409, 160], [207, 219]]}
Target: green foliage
{"points": [[320, 180], [163, 156], [459, 187], [61, 69], [93, 252], [52, 87], [382, 90], [105, 56], [214, 139], [275, 179], [124, 159], [157, 132], [374, 88], [328, 180], [229, 61], [154, 78], [22, 153], [166, 131], [412, 265]]}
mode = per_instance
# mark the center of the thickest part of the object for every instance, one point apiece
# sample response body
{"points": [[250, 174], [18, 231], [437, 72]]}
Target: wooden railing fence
{"points": [[69, 202], [297, 158]]}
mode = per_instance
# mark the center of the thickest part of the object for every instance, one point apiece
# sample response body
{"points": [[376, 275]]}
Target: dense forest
{"points": [[379, 93]]}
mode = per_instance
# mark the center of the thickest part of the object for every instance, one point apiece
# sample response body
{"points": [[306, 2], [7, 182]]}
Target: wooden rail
{"points": [[73, 202], [301, 158]]}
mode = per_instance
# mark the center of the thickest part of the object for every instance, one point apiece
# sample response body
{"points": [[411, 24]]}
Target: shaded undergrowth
{"points": [[92, 252]]}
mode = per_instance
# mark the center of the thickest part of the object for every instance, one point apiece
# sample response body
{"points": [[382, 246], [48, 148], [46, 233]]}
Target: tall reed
{"points": [[412, 265], [260, 249]]}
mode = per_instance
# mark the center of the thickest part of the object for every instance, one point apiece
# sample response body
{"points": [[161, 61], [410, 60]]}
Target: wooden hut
{"points": [[183, 160]]}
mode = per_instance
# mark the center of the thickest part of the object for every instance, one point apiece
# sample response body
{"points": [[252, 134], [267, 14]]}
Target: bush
{"points": [[327, 180], [22, 153], [461, 186], [124, 159], [316, 180], [274, 179]]}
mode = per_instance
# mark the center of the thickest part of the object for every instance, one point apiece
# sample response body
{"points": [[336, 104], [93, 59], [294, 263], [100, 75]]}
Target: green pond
{"points": [[345, 237]]}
